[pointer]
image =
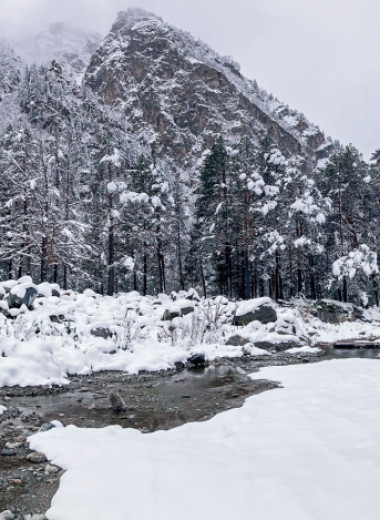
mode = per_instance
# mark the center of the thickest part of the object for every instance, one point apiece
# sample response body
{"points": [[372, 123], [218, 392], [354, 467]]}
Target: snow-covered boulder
{"points": [[288, 324], [258, 309], [236, 340], [334, 312], [278, 342], [22, 294], [179, 309]]}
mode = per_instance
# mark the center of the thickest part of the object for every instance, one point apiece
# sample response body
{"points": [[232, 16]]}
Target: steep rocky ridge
{"points": [[178, 93]]}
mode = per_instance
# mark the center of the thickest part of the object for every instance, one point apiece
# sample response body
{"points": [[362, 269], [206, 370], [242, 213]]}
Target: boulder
{"points": [[259, 309], [179, 365], [102, 332], [55, 292], [237, 341], [288, 325], [117, 403], [171, 314], [22, 294], [57, 318], [182, 308], [186, 310], [192, 295], [334, 312], [197, 361], [280, 344]]}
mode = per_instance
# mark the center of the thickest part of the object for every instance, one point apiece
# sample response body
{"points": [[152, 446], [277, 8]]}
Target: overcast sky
{"points": [[319, 56]]}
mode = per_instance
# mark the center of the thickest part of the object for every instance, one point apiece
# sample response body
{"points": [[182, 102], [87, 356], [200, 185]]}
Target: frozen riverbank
{"points": [[307, 451]]}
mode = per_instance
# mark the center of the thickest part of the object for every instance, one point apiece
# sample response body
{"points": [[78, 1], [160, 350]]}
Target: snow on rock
{"points": [[306, 451], [251, 305], [260, 309], [2, 409], [44, 343]]}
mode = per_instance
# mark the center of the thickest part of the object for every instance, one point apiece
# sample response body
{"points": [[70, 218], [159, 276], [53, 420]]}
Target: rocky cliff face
{"points": [[178, 93], [70, 47]]}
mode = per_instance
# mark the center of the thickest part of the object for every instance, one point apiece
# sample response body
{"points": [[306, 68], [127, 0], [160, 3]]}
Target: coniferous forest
{"points": [[85, 203]]}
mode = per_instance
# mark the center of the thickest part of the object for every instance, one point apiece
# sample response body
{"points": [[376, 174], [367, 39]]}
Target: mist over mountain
{"points": [[72, 48]]}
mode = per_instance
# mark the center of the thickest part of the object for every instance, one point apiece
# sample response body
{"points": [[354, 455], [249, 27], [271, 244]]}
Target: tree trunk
{"points": [[203, 280], [111, 260]]}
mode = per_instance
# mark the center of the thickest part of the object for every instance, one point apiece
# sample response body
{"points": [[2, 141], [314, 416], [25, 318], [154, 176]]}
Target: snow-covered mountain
{"points": [[72, 48], [170, 169], [177, 92]]}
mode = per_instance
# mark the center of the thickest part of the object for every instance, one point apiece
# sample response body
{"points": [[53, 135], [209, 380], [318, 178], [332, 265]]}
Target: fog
{"points": [[319, 56]]}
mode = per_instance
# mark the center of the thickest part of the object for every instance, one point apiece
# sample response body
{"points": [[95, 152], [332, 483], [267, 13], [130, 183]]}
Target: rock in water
{"points": [[117, 403], [197, 361]]}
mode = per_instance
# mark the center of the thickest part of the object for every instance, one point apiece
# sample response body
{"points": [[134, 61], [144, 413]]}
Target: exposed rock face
{"points": [[178, 93]]}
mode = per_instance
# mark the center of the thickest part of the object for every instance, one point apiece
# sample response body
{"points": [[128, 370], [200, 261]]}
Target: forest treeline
{"points": [[84, 206]]}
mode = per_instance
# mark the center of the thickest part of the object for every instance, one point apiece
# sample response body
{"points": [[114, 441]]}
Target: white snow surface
{"points": [[307, 451], [2, 409], [85, 333]]}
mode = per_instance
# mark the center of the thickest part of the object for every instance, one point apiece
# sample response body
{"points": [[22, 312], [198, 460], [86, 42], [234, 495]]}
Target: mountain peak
{"points": [[136, 14], [151, 68]]}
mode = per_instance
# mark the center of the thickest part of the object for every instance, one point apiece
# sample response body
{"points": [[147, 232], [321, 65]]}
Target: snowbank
{"points": [[64, 333], [307, 451]]}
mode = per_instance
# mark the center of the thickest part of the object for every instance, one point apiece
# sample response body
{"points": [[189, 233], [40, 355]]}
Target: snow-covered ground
{"points": [[82, 333], [307, 451], [2, 409]]}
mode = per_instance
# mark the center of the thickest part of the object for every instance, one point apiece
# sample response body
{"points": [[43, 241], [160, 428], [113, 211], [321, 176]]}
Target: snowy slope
{"points": [[72, 48], [308, 451]]}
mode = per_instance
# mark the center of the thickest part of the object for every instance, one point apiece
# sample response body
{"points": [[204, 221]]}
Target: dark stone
{"points": [[237, 341], [197, 361], [57, 319], [279, 346], [187, 310], [335, 312], [264, 314], [102, 332], [15, 302], [170, 315], [55, 292], [5, 312], [179, 365], [7, 452], [117, 403], [46, 427]]}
